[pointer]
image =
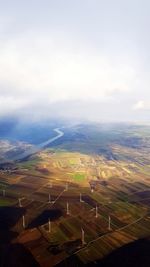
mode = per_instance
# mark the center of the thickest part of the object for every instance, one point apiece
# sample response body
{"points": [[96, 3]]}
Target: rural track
{"points": [[108, 233]]}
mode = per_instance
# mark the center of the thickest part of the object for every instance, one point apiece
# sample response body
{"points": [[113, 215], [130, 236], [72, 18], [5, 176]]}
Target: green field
{"points": [[79, 177], [5, 202]]}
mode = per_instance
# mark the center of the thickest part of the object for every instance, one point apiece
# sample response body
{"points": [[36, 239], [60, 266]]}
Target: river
{"points": [[40, 147]]}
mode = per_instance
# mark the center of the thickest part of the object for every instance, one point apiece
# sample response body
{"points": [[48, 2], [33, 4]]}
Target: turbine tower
{"points": [[68, 209], [81, 198], [4, 193], [23, 222], [66, 187], [19, 200], [96, 211], [83, 237], [109, 223], [49, 225], [92, 189], [49, 198]]}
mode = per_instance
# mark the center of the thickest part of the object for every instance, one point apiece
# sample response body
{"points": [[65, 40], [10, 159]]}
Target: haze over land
{"points": [[75, 59], [74, 133]]}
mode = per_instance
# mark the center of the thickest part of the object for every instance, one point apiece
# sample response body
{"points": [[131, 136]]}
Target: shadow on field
{"points": [[8, 218], [12, 255], [135, 254], [44, 217]]}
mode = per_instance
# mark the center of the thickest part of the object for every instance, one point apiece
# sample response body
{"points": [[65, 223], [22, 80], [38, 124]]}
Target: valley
{"points": [[77, 205]]}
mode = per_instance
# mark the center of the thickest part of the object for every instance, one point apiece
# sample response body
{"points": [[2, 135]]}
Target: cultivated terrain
{"points": [[77, 198]]}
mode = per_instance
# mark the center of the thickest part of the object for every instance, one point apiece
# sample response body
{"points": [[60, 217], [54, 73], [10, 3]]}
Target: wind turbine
{"points": [[19, 200], [81, 198], [68, 209], [96, 211], [49, 225], [49, 198], [23, 222], [109, 223], [83, 237], [4, 192], [66, 187]]}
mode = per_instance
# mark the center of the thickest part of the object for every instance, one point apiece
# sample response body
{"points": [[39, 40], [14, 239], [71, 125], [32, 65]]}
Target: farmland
{"points": [[62, 198]]}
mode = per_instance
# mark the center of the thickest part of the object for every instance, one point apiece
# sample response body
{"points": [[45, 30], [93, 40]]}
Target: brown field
{"points": [[116, 188]]}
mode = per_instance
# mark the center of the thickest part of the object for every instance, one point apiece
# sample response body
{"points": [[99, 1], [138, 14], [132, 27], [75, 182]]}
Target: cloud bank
{"points": [[51, 71]]}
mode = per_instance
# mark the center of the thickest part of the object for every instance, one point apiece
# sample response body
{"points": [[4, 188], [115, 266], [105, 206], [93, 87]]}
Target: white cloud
{"points": [[38, 71], [142, 105], [139, 105], [9, 105], [75, 59], [51, 68]]}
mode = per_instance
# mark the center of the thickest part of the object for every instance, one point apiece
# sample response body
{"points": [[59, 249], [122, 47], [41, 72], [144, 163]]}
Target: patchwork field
{"points": [[71, 204]]}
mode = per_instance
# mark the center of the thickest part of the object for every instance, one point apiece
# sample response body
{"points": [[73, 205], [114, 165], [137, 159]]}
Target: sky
{"points": [[76, 60]]}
